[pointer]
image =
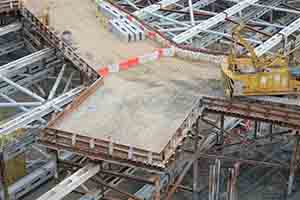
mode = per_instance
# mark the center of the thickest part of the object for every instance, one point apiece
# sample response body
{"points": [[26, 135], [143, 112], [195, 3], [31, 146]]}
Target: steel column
{"points": [[293, 166]]}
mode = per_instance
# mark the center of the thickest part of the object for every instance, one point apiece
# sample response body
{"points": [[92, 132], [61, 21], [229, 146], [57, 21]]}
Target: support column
{"points": [[196, 187], [211, 193], [231, 188], [157, 188], [191, 13], [271, 131], [293, 166], [218, 174], [229, 183], [3, 182], [221, 135], [255, 129], [196, 180]]}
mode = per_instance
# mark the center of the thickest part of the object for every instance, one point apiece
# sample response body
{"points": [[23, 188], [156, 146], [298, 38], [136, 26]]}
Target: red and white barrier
{"points": [[179, 52], [133, 62]]}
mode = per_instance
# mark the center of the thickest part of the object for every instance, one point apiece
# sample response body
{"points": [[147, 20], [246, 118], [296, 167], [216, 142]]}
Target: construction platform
{"points": [[152, 102]]}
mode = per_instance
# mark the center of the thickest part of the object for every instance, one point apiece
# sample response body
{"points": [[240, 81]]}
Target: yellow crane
{"points": [[250, 75]]}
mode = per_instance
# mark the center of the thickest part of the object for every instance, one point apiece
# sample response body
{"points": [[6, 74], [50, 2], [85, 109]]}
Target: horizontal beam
{"points": [[211, 22], [277, 38], [38, 112], [154, 7], [16, 65], [27, 81], [10, 28], [71, 183], [20, 104], [10, 47]]}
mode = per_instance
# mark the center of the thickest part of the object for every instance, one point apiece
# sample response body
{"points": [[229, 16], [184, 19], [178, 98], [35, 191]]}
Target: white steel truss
{"points": [[71, 183], [211, 22]]}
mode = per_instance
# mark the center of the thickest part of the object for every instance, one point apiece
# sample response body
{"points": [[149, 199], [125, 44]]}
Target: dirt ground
{"points": [[93, 40]]}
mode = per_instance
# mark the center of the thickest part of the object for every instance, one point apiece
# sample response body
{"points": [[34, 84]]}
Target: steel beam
{"points": [[30, 80], [71, 183], [55, 86], [23, 89], [197, 5], [38, 112], [211, 22], [10, 28], [142, 13], [256, 13], [10, 47], [16, 65], [293, 166], [20, 104], [277, 38]]}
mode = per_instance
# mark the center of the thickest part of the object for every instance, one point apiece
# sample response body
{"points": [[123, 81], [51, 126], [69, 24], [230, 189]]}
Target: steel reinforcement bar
{"points": [[264, 111]]}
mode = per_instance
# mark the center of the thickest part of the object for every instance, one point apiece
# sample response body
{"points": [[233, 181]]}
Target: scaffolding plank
{"points": [[205, 25], [277, 38], [71, 183]]}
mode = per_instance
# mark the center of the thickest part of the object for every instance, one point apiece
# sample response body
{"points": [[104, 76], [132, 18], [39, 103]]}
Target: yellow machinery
{"points": [[251, 75]]}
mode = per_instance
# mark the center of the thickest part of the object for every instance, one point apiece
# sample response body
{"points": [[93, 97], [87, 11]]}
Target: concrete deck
{"points": [[144, 106], [94, 42]]}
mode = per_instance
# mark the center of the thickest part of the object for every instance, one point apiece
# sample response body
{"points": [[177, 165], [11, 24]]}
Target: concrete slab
{"points": [[144, 106]]}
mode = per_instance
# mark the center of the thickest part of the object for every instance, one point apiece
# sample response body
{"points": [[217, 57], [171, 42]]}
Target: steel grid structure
{"points": [[202, 24], [220, 136]]}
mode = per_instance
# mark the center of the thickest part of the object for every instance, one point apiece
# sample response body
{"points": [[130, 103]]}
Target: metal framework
{"points": [[226, 135], [71, 183], [206, 25]]}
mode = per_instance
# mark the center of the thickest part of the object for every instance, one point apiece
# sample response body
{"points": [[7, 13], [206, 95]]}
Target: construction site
{"points": [[149, 100]]}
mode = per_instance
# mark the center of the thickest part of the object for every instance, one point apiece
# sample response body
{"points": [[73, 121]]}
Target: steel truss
{"points": [[201, 24]]}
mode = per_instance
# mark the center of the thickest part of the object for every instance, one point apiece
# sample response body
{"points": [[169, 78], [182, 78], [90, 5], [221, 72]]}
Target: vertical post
{"points": [[271, 131], [255, 129], [218, 173], [228, 186], [56, 154], [191, 13], [102, 188], [82, 78], [210, 183], [229, 183], [293, 164], [234, 176], [221, 137], [157, 188], [2, 176], [196, 180], [195, 195]]}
